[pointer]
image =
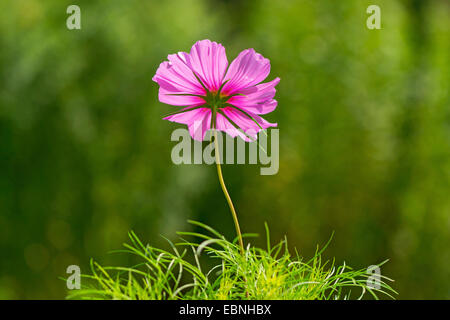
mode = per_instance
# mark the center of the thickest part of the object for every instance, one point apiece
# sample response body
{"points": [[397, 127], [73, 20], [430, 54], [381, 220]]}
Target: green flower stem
{"points": [[222, 184]]}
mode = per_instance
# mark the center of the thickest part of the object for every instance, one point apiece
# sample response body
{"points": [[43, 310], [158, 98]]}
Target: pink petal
{"points": [[198, 121], [224, 125], [175, 78], [209, 62], [257, 99], [168, 97], [243, 122], [248, 69]]}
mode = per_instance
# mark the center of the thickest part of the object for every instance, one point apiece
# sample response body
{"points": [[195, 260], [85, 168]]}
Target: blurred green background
{"points": [[364, 118]]}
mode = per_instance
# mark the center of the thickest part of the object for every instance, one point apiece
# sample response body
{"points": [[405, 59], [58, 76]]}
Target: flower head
{"points": [[215, 95]]}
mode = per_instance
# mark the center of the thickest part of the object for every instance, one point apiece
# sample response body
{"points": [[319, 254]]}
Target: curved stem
{"points": [[225, 191]]}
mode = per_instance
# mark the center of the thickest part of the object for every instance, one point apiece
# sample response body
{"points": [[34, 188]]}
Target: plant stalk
{"points": [[224, 188]]}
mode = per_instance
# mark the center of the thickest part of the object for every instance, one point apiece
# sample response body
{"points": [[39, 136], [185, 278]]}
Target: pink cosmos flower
{"points": [[215, 95]]}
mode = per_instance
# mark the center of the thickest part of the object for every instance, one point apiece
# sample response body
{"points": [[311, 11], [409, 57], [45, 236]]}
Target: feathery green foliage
{"points": [[271, 273]]}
